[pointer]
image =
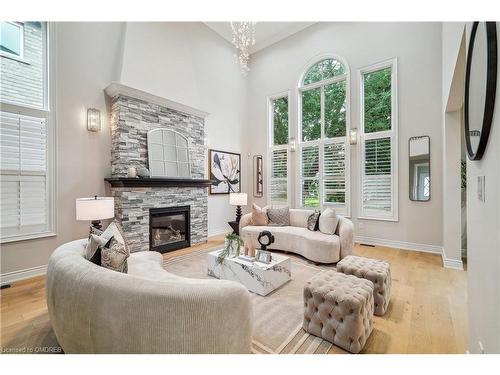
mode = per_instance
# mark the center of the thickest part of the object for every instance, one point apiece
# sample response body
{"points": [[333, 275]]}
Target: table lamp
{"points": [[95, 209], [238, 200]]}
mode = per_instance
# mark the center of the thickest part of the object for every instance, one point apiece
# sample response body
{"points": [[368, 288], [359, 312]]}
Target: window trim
{"points": [[324, 141], [13, 56], [49, 112], [271, 147], [392, 134]]}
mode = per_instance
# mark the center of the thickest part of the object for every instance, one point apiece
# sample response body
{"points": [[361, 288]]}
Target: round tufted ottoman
{"points": [[339, 308], [377, 271]]}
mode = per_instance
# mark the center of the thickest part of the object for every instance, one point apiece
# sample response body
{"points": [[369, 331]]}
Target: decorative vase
{"points": [[250, 245], [132, 172], [234, 247]]}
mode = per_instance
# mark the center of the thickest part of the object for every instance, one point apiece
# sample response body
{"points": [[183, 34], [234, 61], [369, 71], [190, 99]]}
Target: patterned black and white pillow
{"points": [[279, 216], [114, 256], [312, 221]]}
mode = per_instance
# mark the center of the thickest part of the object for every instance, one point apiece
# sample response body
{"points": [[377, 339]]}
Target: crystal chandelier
{"points": [[243, 39]]}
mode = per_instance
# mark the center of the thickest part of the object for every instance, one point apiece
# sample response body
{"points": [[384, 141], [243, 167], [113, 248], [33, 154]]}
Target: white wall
{"points": [[418, 49], [190, 64], [87, 59]]}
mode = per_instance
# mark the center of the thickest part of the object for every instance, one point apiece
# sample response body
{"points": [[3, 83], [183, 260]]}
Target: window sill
{"points": [[378, 218], [24, 237], [15, 58]]}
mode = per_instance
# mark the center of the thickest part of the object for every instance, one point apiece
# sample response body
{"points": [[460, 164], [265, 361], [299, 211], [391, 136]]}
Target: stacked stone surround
{"points": [[131, 119]]}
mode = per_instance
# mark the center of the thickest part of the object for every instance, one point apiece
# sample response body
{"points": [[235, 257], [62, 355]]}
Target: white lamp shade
{"points": [[97, 208], [238, 199]]}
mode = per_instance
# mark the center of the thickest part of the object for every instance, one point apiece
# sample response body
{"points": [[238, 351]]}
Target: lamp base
{"points": [[97, 224], [238, 213]]}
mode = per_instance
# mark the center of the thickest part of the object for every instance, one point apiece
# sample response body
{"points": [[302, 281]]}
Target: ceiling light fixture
{"points": [[243, 39]]}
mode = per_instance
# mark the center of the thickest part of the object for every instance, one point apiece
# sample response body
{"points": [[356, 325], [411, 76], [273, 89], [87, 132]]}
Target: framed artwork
{"points": [[225, 172], [258, 176]]}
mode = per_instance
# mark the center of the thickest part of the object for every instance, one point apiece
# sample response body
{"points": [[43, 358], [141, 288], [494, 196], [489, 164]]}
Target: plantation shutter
{"points": [[279, 176], [334, 181], [310, 176], [377, 177], [23, 144]]}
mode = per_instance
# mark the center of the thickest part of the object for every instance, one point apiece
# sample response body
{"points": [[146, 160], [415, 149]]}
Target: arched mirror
{"points": [[480, 87], [168, 154]]}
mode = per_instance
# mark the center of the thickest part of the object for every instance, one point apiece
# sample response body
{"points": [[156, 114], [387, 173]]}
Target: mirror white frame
{"points": [[168, 154]]}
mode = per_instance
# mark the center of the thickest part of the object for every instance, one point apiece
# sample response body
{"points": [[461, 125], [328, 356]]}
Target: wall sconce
{"points": [[292, 144], [93, 120], [353, 136]]}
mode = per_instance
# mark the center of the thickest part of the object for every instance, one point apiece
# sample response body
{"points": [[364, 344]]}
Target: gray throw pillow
{"points": [[312, 221], [93, 244], [279, 216]]}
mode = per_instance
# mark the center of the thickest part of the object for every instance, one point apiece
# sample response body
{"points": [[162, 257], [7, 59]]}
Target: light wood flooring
{"points": [[427, 314]]}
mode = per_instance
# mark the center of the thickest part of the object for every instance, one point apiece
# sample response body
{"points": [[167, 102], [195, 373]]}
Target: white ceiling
{"points": [[266, 33]]}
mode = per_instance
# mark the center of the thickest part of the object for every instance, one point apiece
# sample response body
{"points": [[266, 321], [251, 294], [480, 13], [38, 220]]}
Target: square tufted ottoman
{"points": [[339, 308], [377, 271]]}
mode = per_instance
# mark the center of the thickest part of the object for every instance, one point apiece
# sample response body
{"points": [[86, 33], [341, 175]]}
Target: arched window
{"points": [[168, 154], [323, 128]]}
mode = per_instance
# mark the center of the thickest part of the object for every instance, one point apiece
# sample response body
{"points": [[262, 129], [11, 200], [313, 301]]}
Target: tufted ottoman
{"points": [[377, 271], [339, 308]]}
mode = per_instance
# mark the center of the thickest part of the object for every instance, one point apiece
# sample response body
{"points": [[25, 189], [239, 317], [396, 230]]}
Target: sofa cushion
{"points": [[259, 215], [298, 217], [93, 248], [114, 256], [328, 221], [316, 246], [279, 215]]}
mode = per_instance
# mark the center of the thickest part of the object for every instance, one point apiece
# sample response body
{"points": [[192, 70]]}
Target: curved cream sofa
{"points": [[296, 238], [96, 310]]}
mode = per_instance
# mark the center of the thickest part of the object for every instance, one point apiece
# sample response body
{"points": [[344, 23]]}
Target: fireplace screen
{"points": [[169, 228]]}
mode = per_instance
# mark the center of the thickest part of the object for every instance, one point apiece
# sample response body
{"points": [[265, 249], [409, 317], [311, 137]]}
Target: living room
{"points": [[259, 187]]}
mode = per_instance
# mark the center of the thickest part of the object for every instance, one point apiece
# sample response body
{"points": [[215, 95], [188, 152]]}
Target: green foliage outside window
{"points": [[280, 121], [325, 69], [335, 110], [311, 114], [377, 100]]}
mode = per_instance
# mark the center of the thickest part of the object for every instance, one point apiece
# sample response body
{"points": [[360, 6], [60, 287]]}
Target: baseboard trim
{"points": [[452, 263], [400, 244], [11, 277]]}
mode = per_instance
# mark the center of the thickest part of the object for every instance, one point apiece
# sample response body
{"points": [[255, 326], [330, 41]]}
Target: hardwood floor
{"points": [[427, 314]]}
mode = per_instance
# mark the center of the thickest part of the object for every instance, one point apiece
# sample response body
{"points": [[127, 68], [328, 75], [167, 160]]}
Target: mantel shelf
{"points": [[157, 182]]}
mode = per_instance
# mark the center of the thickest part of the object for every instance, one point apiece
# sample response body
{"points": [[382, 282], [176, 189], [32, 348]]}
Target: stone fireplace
{"points": [[140, 202]]}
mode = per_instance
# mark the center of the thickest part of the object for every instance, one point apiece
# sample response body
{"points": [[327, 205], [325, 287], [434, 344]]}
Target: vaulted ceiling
{"points": [[266, 33]]}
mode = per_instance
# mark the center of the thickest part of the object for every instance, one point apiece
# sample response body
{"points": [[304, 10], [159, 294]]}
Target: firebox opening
{"points": [[169, 228]]}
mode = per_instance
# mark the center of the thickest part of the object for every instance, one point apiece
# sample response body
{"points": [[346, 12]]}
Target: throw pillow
{"points": [[114, 256], [312, 221], [279, 216], [328, 221], [93, 247], [259, 216]]}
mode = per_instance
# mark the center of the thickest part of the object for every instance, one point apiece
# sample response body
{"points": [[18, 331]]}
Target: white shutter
{"points": [[279, 176], [377, 177], [23, 198], [334, 174]]}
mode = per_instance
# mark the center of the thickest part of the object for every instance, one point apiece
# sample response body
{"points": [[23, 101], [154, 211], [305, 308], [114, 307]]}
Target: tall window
{"points": [[278, 149], [26, 137], [379, 199], [323, 147]]}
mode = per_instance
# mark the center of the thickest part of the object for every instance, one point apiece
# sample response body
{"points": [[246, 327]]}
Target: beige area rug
{"points": [[277, 316]]}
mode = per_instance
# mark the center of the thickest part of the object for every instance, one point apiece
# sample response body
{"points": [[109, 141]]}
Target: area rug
{"points": [[277, 316]]}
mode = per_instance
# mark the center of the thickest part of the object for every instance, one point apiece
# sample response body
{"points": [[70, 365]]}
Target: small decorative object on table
{"points": [[263, 256], [143, 172], [232, 245], [265, 239], [250, 245]]}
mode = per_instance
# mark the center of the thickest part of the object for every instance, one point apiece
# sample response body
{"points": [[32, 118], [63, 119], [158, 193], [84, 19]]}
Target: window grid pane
{"points": [[311, 114], [377, 179], [335, 110], [377, 100], [324, 69], [280, 121], [279, 176], [334, 173]]}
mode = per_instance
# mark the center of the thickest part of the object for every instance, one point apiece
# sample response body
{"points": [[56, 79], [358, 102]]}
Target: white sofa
{"points": [[96, 310], [296, 238]]}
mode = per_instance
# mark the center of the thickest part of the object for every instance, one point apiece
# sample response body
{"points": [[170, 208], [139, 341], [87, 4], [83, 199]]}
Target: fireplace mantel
{"points": [[157, 182]]}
